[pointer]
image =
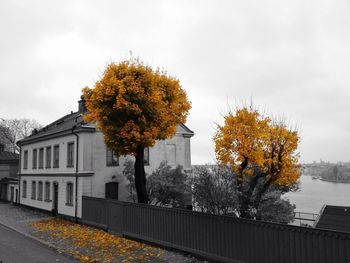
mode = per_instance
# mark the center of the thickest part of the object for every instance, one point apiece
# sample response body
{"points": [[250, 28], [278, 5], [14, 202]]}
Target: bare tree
{"points": [[214, 190], [13, 130]]}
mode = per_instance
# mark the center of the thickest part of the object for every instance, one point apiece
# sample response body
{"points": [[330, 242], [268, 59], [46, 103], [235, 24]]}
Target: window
{"points": [[25, 160], [47, 191], [35, 160], [41, 158], [112, 159], [24, 190], [40, 191], [69, 192], [146, 156], [48, 157], [33, 190], [70, 154], [56, 156], [2, 147]]}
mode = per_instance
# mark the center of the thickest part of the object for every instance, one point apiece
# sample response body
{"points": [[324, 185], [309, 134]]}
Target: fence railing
{"points": [[305, 218], [219, 238]]}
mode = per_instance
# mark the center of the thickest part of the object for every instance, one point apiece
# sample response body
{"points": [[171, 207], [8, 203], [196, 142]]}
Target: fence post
{"points": [[108, 214]]}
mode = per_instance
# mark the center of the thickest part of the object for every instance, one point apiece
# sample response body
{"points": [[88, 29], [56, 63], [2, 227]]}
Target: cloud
{"points": [[292, 58]]}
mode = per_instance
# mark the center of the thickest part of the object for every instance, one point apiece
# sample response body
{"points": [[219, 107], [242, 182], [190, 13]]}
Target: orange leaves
{"points": [[251, 139], [135, 105], [92, 245], [241, 137]]}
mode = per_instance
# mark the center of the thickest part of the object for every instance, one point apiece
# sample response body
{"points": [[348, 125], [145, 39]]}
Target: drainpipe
{"points": [[19, 176], [76, 174]]}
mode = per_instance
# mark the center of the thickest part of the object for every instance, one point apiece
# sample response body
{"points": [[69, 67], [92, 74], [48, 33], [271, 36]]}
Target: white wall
{"points": [[15, 187], [84, 187], [158, 153], [62, 142]]}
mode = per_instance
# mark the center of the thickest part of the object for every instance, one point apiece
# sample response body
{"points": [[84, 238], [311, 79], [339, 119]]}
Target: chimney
{"points": [[82, 109]]}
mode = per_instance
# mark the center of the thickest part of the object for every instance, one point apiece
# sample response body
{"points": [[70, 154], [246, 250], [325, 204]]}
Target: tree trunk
{"points": [[258, 198], [246, 197], [140, 176]]}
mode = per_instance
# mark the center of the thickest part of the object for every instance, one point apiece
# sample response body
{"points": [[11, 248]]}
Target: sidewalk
{"points": [[19, 218], [74, 240]]}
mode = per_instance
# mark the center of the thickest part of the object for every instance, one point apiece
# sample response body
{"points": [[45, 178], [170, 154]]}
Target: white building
{"points": [[69, 153]]}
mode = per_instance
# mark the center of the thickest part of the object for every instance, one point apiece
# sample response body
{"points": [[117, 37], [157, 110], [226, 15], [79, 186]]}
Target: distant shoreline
{"points": [[314, 177], [334, 181]]}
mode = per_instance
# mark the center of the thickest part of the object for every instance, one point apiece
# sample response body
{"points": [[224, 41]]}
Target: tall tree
{"points": [[214, 191], [13, 130], [134, 105], [261, 152]]}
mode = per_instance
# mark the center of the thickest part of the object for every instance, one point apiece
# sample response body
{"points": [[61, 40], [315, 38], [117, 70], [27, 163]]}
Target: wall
{"points": [[62, 174], [4, 170], [157, 154], [15, 187], [62, 142], [84, 187], [14, 169]]}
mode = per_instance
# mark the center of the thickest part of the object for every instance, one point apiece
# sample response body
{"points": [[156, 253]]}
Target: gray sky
{"points": [[291, 57]]}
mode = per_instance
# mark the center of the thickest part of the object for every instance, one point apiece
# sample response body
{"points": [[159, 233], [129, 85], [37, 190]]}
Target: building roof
{"points": [[335, 218], [58, 128], [8, 156], [187, 130], [65, 125]]}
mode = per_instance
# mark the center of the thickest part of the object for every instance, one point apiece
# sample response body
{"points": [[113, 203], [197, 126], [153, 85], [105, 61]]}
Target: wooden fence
{"points": [[217, 238]]}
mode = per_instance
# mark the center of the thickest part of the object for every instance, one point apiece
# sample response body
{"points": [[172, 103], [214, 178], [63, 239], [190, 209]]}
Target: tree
{"points": [[134, 105], [13, 130], [261, 152], [214, 190], [129, 173], [166, 186], [274, 208]]}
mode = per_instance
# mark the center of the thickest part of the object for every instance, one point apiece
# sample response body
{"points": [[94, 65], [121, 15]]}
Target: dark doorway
{"points": [[16, 196], [55, 199], [112, 190], [3, 191]]}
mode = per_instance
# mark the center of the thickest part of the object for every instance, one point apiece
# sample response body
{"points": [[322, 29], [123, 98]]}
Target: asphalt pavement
{"points": [[17, 248]]}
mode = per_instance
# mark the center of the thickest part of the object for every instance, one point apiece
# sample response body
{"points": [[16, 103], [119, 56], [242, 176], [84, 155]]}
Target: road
{"points": [[17, 248]]}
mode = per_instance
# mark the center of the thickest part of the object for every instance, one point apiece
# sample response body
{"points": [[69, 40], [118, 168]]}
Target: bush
{"points": [[214, 190], [166, 186]]}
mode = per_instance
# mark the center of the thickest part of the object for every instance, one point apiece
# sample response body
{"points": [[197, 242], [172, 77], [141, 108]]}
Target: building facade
{"points": [[8, 175], [68, 159]]}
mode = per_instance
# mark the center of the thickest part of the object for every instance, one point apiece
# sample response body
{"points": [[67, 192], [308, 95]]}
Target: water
{"points": [[313, 194]]}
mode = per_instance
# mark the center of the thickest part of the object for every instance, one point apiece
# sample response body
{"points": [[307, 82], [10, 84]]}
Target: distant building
{"points": [[9, 162], [68, 159]]}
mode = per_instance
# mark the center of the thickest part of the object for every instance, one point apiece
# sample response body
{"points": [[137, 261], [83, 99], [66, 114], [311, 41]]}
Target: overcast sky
{"points": [[291, 57]]}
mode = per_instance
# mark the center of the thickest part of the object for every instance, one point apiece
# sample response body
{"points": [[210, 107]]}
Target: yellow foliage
{"points": [[248, 139], [134, 105], [93, 245]]}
